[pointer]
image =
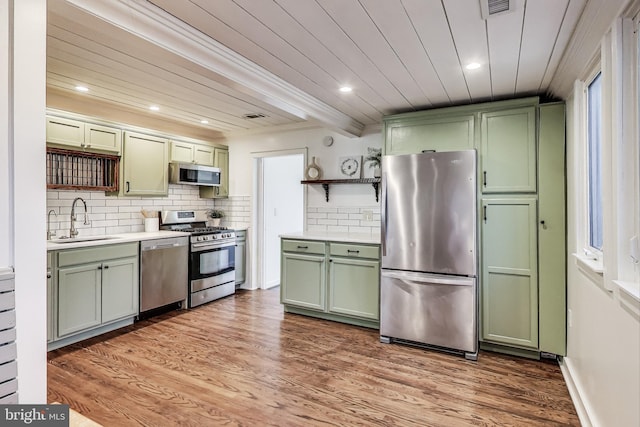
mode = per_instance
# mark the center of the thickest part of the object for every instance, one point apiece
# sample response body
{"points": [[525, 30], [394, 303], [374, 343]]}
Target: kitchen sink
{"points": [[64, 240]]}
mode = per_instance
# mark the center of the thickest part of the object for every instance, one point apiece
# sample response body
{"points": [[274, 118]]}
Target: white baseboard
{"points": [[575, 393], [271, 284]]}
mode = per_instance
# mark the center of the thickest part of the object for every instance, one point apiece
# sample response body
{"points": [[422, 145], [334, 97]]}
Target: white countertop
{"points": [[334, 236], [112, 240]]}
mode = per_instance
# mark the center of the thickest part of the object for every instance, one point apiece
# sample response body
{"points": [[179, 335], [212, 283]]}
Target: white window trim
{"points": [[588, 259]]}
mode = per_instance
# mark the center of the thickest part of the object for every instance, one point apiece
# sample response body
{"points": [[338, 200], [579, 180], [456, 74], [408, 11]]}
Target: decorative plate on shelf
{"points": [[313, 171], [350, 166]]}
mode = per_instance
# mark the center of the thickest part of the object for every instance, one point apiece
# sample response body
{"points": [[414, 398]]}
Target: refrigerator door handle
{"points": [[432, 279], [383, 240]]}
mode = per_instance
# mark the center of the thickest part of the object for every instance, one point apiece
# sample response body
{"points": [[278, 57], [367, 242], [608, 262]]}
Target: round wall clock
{"points": [[350, 167]]}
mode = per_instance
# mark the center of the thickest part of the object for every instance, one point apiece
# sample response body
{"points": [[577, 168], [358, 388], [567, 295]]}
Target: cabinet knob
{"points": [[543, 224]]}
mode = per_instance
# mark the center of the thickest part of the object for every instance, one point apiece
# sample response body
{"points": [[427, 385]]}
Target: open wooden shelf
{"points": [[375, 182]]}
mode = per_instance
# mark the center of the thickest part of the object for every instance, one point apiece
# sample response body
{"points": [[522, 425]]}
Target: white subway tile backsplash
{"points": [[112, 214], [343, 219], [349, 210]]}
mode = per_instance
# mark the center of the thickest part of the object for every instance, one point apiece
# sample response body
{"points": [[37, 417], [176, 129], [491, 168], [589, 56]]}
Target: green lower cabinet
{"points": [[303, 281], [119, 290], [79, 298], [354, 287], [509, 290], [93, 290], [329, 280]]}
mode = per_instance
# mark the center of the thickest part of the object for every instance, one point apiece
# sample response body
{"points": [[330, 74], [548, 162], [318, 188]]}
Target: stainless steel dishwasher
{"points": [[164, 272]]}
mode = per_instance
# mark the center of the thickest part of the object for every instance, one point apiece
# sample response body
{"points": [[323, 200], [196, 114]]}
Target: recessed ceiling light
{"points": [[204, 122], [154, 108], [472, 66], [346, 89], [82, 89]]}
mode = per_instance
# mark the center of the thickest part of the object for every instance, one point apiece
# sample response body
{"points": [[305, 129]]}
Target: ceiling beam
{"points": [[162, 29]]}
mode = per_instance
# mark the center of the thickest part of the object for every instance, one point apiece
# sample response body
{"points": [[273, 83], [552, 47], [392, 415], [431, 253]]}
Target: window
{"points": [[594, 159]]}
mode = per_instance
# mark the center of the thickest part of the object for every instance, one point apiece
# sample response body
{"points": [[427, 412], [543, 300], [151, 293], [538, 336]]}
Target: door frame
{"points": [[257, 260]]}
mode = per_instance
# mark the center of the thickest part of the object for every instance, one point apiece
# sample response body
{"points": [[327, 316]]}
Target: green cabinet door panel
{"points": [[447, 133], [204, 155], [119, 289], [102, 138], [552, 229], [181, 152], [221, 161], [509, 272], [79, 298], [354, 287], [240, 261], [65, 131], [303, 280], [508, 151], [145, 165]]}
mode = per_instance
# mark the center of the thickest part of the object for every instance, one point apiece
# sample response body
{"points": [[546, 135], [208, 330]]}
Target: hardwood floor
{"points": [[242, 361]]}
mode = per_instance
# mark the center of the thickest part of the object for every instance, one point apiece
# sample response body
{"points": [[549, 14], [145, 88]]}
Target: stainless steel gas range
{"points": [[212, 272]]}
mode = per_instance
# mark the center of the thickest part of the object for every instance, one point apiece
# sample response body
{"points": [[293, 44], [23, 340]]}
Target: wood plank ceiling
{"points": [[197, 59]]}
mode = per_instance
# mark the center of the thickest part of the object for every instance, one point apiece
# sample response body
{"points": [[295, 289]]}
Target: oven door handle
{"points": [[203, 246]]}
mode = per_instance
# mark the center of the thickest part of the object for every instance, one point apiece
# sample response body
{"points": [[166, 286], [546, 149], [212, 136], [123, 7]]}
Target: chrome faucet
{"points": [[73, 232], [49, 232]]}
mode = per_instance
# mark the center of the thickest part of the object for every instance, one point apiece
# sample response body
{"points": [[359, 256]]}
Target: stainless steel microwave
{"points": [[186, 173]]}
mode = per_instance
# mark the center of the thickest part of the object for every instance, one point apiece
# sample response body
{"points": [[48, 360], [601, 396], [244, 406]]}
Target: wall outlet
{"points": [[367, 215], [569, 318]]}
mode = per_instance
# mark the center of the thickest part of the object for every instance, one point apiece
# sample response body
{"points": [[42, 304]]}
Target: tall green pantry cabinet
{"points": [[521, 212]]}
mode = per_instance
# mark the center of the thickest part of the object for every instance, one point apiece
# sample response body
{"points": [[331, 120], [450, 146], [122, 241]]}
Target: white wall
{"points": [[23, 150], [241, 159], [602, 366], [347, 202]]}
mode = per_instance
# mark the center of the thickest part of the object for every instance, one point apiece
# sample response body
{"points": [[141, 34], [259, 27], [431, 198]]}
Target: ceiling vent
{"points": [[251, 116], [495, 7]]}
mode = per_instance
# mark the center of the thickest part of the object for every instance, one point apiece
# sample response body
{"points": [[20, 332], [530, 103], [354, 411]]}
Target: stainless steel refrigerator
{"points": [[428, 290]]}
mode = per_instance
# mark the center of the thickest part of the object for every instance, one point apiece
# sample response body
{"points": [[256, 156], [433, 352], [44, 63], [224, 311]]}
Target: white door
{"points": [[282, 210]]}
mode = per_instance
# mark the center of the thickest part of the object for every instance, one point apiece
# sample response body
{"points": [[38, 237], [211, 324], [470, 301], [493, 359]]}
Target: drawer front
{"points": [[355, 251], [303, 246], [96, 254], [7, 301]]}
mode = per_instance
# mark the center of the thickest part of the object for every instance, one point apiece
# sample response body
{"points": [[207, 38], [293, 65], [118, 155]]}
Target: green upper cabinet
{"points": [[203, 155], [181, 152], [145, 171], [509, 272], [552, 229], [70, 133], [104, 138], [508, 151], [65, 132], [185, 152], [221, 161], [415, 133]]}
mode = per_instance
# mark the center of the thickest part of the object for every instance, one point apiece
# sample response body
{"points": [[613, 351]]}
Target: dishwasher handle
{"points": [[170, 243]]}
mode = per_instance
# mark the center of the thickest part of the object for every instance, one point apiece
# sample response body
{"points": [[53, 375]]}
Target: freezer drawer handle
{"points": [[413, 279], [352, 252]]}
